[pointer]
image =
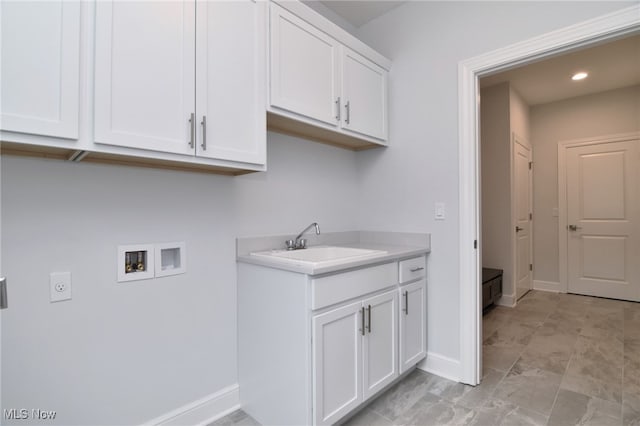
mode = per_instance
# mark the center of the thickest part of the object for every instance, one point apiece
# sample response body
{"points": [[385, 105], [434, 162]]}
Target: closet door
{"points": [[145, 75], [40, 67], [230, 70]]}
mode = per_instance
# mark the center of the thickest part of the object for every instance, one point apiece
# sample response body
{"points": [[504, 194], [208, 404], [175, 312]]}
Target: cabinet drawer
{"points": [[326, 291], [411, 269]]}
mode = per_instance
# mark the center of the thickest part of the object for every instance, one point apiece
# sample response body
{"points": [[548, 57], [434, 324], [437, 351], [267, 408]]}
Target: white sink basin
{"points": [[320, 255]]}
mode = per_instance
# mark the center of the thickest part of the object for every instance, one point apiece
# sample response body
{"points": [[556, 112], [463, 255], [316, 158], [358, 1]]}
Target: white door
{"points": [[230, 98], [304, 68], [522, 212], [603, 217], [413, 324], [40, 67], [145, 75], [380, 345], [337, 362], [364, 95]]}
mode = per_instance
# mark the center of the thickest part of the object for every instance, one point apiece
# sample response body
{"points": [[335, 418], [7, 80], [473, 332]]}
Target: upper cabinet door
{"points": [[364, 92], [304, 68], [145, 75], [40, 67], [230, 70]]}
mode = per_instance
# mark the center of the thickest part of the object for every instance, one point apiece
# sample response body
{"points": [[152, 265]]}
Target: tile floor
{"points": [[555, 359]]}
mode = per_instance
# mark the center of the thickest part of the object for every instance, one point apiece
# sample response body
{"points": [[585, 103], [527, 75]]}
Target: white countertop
{"points": [[395, 245]]}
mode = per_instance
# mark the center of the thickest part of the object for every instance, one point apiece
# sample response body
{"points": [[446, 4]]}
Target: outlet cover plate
{"points": [[59, 286]]}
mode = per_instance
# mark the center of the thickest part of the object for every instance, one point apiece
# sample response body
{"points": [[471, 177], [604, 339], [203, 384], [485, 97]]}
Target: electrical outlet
{"points": [[59, 286]]}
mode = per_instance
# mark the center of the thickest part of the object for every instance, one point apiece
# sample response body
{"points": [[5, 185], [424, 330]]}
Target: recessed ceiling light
{"points": [[579, 76]]}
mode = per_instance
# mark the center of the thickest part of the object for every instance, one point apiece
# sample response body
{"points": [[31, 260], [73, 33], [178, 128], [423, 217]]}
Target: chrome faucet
{"points": [[301, 243]]}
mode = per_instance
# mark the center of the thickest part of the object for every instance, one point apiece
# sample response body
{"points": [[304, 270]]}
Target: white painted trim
{"points": [[563, 254], [597, 30], [508, 300], [202, 411], [442, 366], [551, 286]]}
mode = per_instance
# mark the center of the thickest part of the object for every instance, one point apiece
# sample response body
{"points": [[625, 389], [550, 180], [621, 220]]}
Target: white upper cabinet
{"points": [[40, 68], [304, 68], [144, 75], [364, 93], [183, 77], [324, 83], [230, 95]]}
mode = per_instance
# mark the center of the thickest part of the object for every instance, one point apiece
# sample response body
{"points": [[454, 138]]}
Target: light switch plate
{"points": [[440, 214], [59, 286]]}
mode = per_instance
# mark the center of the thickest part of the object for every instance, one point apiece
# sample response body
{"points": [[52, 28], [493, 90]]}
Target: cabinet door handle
{"points": [[347, 108], [416, 269], [204, 132], [192, 129], [406, 302], [362, 329], [369, 322], [338, 109]]}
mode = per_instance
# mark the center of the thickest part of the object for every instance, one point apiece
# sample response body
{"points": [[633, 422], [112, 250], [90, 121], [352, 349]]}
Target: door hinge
{"points": [[531, 266], [530, 164], [3, 293], [475, 244], [530, 216]]}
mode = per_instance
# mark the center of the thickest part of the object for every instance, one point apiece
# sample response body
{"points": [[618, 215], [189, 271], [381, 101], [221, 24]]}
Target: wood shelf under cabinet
{"points": [[24, 150], [288, 126]]}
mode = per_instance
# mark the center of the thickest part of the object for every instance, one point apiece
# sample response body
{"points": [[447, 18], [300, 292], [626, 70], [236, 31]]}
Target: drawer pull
{"points": [[416, 269], [406, 302], [362, 329], [369, 326]]}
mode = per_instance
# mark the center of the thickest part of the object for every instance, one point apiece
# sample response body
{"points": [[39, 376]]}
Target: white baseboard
{"points": [[202, 411], [546, 286], [508, 300], [442, 366]]}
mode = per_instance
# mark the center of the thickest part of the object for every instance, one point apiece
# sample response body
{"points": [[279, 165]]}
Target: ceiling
{"points": [[358, 13], [610, 66]]}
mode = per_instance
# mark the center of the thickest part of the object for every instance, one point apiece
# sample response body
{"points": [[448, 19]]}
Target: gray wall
{"points": [[426, 41], [606, 113], [496, 181], [124, 353]]}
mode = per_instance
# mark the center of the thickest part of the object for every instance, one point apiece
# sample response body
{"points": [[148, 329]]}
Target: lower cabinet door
{"points": [[337, 363], [413, 324], [380, 352]]}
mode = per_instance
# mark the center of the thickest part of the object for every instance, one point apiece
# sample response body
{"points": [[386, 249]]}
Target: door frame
{"points": [[563, 234], [588, 33], [517, 139]]}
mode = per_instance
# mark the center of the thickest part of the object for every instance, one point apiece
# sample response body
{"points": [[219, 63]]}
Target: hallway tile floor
{"points": [[555, 359]]}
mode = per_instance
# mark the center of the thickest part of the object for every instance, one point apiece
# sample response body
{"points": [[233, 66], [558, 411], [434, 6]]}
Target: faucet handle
{"points": [[302, 243], [291, 244]]}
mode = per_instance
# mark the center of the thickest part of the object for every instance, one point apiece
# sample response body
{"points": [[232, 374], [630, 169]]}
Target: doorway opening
{"points": [[590, 33]]}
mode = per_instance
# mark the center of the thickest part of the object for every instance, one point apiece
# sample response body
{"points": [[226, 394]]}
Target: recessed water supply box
{"points": [[135, 262]]}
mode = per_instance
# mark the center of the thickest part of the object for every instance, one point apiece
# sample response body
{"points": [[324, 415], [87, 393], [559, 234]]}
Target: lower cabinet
{"points": [[354, 355], [313, 348], [413, 324]]}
